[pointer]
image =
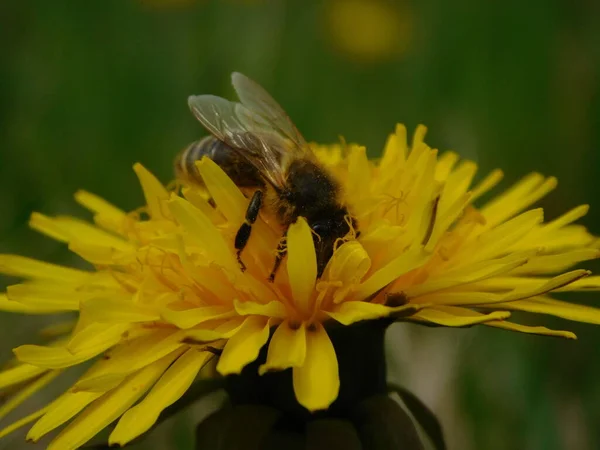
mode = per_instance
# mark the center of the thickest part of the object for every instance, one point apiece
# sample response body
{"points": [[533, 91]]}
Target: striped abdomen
{"points": [[231, 160]]}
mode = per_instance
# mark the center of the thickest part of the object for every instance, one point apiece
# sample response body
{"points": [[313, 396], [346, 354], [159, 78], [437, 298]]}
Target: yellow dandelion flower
{"points": [[167, 294]]}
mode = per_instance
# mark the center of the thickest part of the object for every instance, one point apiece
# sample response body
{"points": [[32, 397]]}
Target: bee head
{"points": [[326, 232]]}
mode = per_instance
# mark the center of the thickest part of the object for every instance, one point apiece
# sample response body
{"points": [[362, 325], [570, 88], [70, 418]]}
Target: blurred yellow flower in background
{"points": [[369, 30], [167, 294]]}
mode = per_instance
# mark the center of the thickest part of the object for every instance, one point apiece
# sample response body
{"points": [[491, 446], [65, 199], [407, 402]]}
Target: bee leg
{"points": [[243, 233], [281, 251]]}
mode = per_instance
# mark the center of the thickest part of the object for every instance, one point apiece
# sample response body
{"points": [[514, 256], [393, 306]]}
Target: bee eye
{"points": [[320, 228]]}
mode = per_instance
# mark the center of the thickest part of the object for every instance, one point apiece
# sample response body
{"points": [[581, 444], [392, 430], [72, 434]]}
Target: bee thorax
{"points": [[309, 189]]}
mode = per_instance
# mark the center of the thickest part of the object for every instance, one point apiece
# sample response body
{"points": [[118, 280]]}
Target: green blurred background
{"points": [[89, 88]]}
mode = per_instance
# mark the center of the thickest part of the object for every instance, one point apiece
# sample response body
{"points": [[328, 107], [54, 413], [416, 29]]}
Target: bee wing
{"points": [[260, 102], [246, 132]]}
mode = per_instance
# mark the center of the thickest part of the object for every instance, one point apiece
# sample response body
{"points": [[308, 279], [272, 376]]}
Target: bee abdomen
{"points": [[236, 166], [185, 163]]}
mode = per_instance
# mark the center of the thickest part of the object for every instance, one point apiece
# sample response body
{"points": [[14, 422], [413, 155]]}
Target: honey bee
{"points": [[259, 148]]}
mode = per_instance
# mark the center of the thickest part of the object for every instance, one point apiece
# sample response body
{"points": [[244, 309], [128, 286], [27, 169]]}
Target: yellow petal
{"points": [[348, 313], [69, 229], [59, 357], [489, 298], [444, 219], [225, 193], [171, 386], [131, 356], [109, 407], [205, 274], [199, 198], [469, 274], [359, 173], [569, 237], [57, 298], [349, 264], [16, 307], [517, 198], [397, 145], [244, 346], [402, 264], [530, 330], [418, 136], [106, 215], [23, 394], [301, 263], [62, 409], [20, 266], [457, 185], [286, 349], [549, 285], [117, 308], [445, 164], [224, 330], [48, 357], [48, 226], [204, 232], [496, 241], [564, 310], [456, 317], [189, 318], [100, 383], [393, 159], [100, 255], [96, 338], [155, 193], [18, 374], [317, 381], [272, 309], [557, 263], [328, 155], [99, 206], [488, 183], [567, 218]]}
